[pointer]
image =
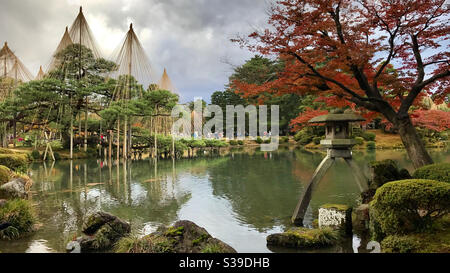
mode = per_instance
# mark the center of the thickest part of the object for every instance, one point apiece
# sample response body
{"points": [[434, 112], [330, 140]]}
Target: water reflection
{"points": [[239, 198]]}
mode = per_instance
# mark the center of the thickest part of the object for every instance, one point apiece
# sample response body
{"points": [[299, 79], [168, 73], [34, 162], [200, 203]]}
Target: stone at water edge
{"points": [[16, 188], [336, 216], [102, 231], [360, 218]]}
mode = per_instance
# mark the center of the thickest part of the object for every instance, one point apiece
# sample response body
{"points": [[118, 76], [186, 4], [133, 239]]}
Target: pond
{"points": [[240, 197]]}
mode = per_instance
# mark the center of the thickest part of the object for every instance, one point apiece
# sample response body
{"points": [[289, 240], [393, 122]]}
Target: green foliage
{"points": [[259, 140], [405, 206], [371, 145], [56, 145], [399, 244], [213, 248], [439, 172], [233, 142], [304, 137], [359, 140], [36, 155], [386, 171], [368, 136], [304, 238], [240, 142], [284, 139], [5, 175], [317, 140], [20, 215], [267, 141], [16, 162]]}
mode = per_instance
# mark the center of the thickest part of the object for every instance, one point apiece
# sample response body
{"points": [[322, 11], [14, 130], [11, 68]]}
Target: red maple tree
{"points": [[380, 55]]}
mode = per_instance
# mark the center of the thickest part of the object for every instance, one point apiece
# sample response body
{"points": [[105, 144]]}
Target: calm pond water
{"points": [[240, 197]]}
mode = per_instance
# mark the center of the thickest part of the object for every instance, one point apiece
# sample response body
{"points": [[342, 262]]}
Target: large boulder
{"points": [[16, 188], [102, 230], [182, 237]]}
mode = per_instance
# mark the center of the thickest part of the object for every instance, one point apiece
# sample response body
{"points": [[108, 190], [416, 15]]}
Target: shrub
{"points": [[304, 137], [317, 140], [405, 206], [386, 171], [35, 154], [284, 139], [371, 145], [259, 140], [19, 214], [359, 140], [399, 244], [233, 142], [240, 142], [368, 136], [439, 172], [16, 162], [56, 145], [5, 175], [267, 141]]}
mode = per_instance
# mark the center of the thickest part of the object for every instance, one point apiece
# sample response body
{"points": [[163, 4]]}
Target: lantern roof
{"points": [[337, 118]]}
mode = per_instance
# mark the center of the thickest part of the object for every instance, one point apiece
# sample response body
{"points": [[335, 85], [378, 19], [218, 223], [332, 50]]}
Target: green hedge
{"points": [[401, 207], [439, 172], [386, 171]]}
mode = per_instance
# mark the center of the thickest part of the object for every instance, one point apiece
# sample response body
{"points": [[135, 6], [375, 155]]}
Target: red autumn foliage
{"points": [[370, 53], [434, 120], [302, 120]]}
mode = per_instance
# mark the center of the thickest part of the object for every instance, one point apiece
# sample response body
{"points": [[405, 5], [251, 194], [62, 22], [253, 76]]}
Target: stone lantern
{"points": [[339, 145]]}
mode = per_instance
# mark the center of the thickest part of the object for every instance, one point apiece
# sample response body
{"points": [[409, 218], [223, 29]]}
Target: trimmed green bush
{"points": [[405, 206], [259, 140], [359, 140], [19, 214], [233, 142], [267, 141], [439, 172], [16, 162], [35, 154], [368, 136], [399, 244], [371, 145], [240, 142]]}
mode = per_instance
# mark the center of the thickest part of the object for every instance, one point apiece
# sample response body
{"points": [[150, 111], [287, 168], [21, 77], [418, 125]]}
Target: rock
{"points": [[16, 188], [360, 218], [96, 221], [102, 231], [304, 238], [182, 237], [336, 216]]}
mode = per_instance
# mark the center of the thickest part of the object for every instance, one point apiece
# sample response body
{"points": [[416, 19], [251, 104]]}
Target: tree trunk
{"points": [[413, 144]]}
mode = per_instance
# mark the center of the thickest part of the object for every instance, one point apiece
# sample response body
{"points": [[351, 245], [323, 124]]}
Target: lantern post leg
{"points": [[360, 178], [302, 206]]}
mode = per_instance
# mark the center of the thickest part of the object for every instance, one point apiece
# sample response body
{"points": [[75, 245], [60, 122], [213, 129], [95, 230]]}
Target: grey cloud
{"points": [[188, 37]]}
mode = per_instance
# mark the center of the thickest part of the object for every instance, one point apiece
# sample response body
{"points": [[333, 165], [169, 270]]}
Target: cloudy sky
{"points": [[191, 38]]}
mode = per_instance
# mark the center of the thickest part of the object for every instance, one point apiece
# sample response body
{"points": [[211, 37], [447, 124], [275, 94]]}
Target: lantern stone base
{"points": [[338, 217]]}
